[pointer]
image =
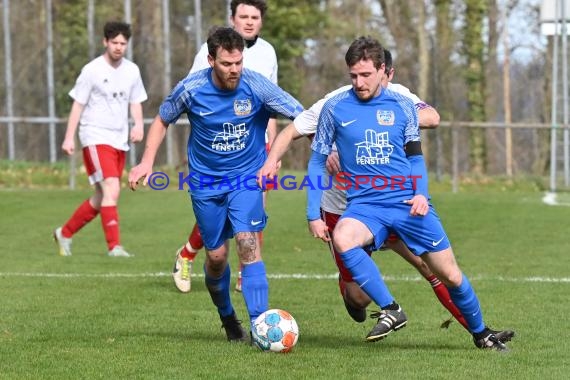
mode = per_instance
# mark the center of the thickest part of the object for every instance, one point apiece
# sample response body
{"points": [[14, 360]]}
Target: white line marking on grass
{"points": [[282, 276]]}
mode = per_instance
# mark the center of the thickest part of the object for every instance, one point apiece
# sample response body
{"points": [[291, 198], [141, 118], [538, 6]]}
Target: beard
{"points": [[231, 83], [228, 83], [369, 94]]}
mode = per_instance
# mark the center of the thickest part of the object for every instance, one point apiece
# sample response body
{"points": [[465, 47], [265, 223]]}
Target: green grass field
{"points": [[89, 316]]}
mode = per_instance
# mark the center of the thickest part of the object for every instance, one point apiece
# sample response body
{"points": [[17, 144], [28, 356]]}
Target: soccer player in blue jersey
{"points": [[228, 107], [377, 135], [258, 55]]}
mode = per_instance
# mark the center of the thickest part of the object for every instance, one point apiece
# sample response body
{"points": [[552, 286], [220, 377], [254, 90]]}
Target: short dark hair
{"points": [[387, 60], [226, 38], [259, 4], [113, 28], [366, 48]]}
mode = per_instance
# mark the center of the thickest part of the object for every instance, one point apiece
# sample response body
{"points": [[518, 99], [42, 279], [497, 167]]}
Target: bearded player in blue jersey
{"points": [[377, 135], [228, 108]]}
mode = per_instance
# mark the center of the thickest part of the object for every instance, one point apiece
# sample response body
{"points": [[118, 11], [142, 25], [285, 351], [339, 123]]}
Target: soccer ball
{"points": [[275, 330]]}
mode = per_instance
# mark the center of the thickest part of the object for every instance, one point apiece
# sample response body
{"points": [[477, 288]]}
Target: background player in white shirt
{"points": [[107, 88], [258, 55]]}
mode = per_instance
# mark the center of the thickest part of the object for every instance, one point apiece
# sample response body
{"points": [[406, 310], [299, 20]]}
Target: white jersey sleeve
{"points": [[306, 122], [403, 90], [261, 57], [200, 60]]}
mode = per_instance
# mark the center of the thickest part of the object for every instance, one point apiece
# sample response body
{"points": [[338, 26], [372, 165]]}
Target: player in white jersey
{"points": [[107, 88], [228, 108], [258, 55]]}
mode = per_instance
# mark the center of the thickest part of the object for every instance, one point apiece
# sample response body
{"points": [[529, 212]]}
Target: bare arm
{"points": [[68, 145], [428, 118], [137, 132], [271, 130], [155, 136]]}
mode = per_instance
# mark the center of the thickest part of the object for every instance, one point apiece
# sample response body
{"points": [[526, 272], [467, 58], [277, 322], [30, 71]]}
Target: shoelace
{"points": [[185, 269], [378, 314]]}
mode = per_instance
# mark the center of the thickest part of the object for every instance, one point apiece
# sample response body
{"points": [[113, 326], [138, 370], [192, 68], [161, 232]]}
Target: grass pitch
{"points": [[89, 316]]}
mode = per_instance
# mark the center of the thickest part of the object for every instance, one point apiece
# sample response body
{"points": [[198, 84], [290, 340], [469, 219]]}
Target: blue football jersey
{"points": [[227, 139], [370, 137]]}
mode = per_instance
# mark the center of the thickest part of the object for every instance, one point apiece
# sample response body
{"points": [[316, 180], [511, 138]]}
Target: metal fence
{"points": [[512, 149]]}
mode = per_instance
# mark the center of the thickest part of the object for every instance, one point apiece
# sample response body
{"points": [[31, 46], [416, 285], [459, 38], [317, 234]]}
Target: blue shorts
{"points": [[422, 234], [221, 216]]}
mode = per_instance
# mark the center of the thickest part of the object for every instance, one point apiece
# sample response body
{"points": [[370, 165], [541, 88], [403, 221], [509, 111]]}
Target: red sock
{"points": [[110, 222], [194, 244], [82, 215], [442, 294]]}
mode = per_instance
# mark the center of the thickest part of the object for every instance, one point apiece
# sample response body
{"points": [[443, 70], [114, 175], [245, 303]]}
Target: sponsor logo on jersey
{"points": [[375, 149], [232, 138], [242, 107], [385, 117]]}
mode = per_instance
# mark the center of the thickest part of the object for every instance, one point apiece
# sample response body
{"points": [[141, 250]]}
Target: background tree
{"points": [[473, 49], [447, 51]]}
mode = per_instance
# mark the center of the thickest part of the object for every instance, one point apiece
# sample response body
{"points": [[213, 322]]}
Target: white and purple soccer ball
{"points": [[275, 331]]}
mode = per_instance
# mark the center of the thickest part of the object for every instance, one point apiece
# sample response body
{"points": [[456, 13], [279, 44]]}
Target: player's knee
{"points": [[341, 242], [455, 278], [451, 278], [110, 189], [215, 262]]}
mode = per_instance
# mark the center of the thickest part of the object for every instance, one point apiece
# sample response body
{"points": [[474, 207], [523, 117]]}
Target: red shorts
{"points": [[103, 161], [331, 220]]}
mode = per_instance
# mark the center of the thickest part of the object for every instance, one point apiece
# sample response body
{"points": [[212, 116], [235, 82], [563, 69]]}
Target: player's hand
{"points": [[141, 171], [333, 163], [137, 134], [319, 230], [267, 172], [68, 146], [420, 205]]}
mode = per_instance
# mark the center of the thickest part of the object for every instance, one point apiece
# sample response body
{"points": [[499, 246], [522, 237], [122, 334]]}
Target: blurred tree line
{"points": [[449, 52]]}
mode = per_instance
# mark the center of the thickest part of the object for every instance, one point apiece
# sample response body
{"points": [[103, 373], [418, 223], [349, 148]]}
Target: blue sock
{"points": [[255, 289], [219, 289], [367, 275], [465, 299]]}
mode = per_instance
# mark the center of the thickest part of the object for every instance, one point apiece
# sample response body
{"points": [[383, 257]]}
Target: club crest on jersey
{"points": [[385, 117], [242, 107]]}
